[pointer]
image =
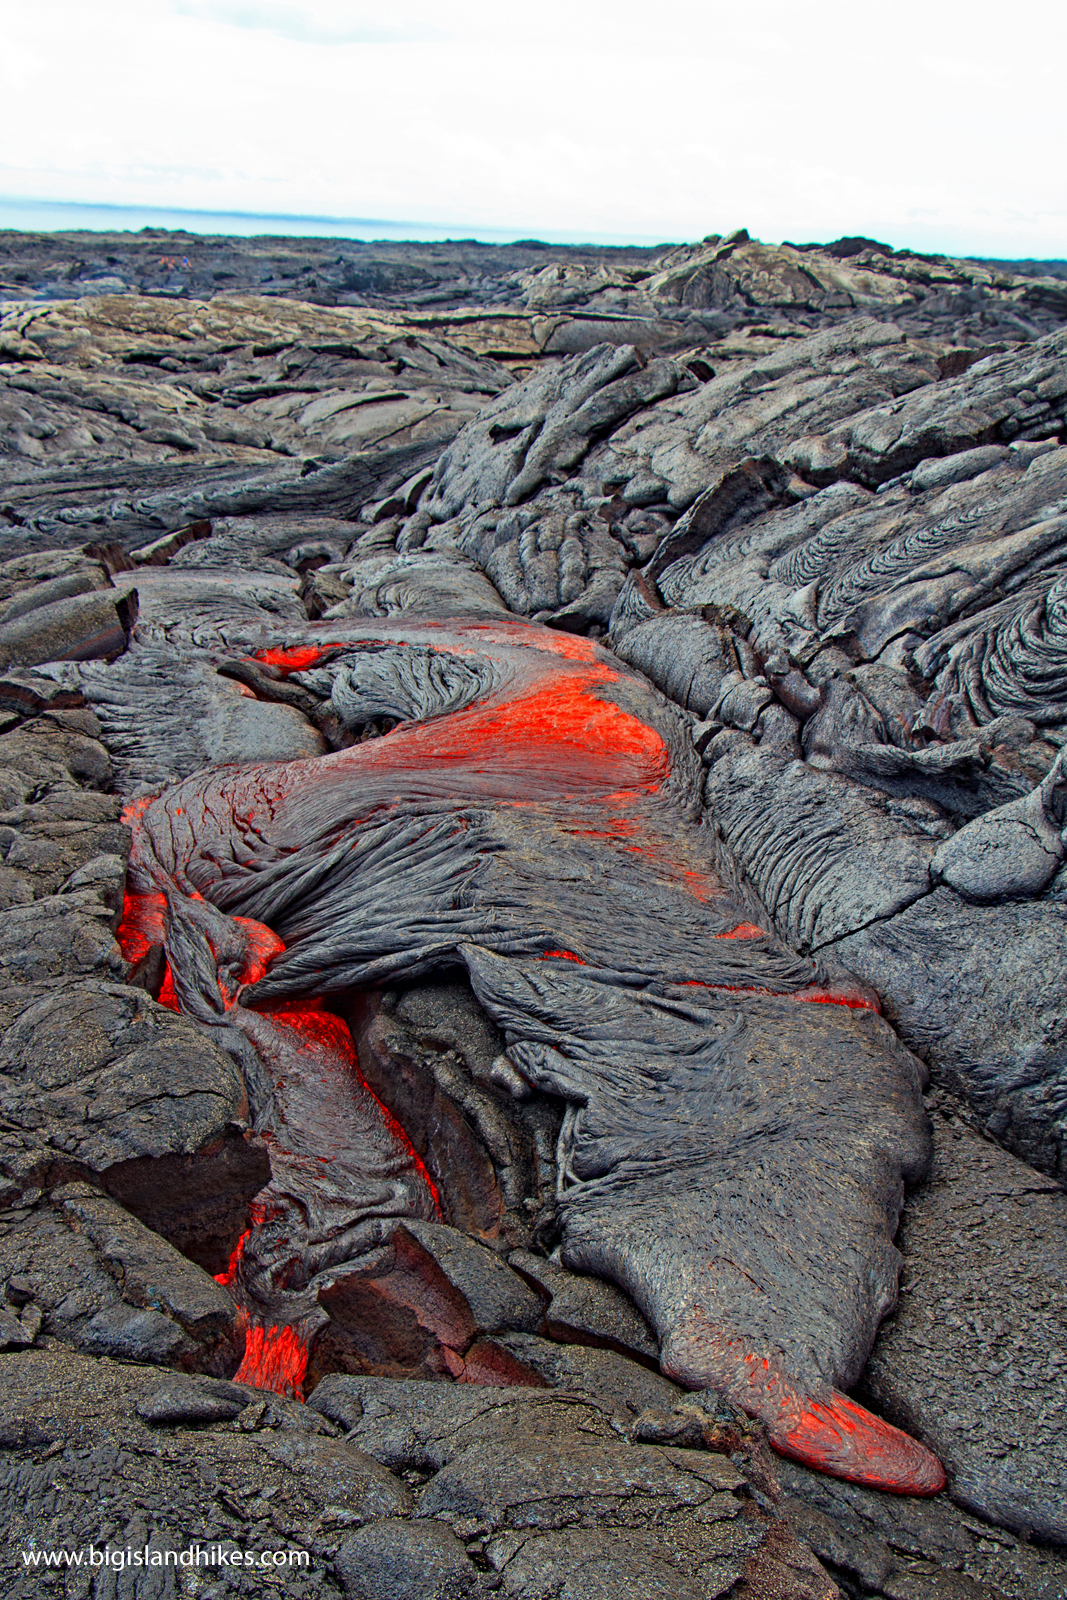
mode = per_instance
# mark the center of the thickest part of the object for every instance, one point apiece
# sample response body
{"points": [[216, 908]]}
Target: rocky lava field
{"points": [[533, 857]]}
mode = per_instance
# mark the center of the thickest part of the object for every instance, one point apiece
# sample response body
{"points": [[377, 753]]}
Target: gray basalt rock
{"points": [[1019, 395], [27, 583], [84, 627], [544, 424], [974, 1356], [65, 840], [183, 1401], [117, 1480], [400, 1558], [66, 296], [57, 938], [498, 1298], [110, 1286], [437, 1062], [843, 564], [1010, 853], [687, 441], [486, 1449], [623, 1386], [683, 655], [98, 1075], [875, 622], [232, 383], [117, 1455], [818, 495], [553, 557], [889, 1545], [587, 1310], [418, 1426], [826, 855], [503, 1491], [992, 1026], [420, 581], [64, 852]]}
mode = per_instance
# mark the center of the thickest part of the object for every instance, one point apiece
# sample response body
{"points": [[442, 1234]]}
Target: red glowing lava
{"points": [[227, 1277], [857, 999], [167, 994], [554, 740], [263, 946], [841, 1438], [322, 1033], [297, 659], [141, 925], [275, 1358]]}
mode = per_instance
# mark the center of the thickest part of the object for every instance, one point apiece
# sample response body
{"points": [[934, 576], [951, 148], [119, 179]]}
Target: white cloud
{"points": [[665, 121]]}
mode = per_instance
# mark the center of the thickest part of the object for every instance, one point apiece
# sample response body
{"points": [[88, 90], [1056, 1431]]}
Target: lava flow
{"points": [[732, 1159], [343, 1169]]}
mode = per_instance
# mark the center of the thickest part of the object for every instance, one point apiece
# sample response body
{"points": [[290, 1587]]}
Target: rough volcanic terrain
{"points": [[533, 859]]}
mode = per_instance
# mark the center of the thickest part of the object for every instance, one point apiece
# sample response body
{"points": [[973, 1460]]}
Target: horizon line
{"points": [[442, 233], [511, 235]]}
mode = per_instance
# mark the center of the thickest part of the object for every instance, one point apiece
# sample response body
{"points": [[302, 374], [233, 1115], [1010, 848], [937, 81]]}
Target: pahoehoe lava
{"points": [[547, 835], [533, 860]]}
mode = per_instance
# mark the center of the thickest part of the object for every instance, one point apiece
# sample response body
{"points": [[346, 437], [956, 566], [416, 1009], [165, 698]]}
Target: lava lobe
{"points": [[740, 1120]]}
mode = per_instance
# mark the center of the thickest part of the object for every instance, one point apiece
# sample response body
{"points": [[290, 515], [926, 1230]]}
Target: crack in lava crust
{"points": [[732, 1158]]}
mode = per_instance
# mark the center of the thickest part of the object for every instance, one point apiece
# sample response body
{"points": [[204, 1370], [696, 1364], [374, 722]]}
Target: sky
{"points": [[934, 124]]}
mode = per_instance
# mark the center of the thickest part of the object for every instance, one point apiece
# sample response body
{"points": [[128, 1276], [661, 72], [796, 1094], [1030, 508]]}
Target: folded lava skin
{"points": [[741, 1122]]}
